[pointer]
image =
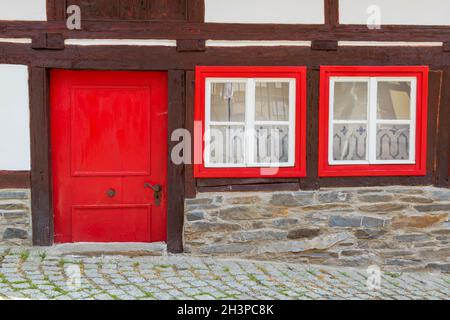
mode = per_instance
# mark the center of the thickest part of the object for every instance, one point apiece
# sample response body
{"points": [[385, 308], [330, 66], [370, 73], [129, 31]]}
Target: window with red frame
{"points": [[373, 121], [253, 122]]}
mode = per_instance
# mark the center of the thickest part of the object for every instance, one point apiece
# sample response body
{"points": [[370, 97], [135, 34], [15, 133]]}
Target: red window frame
{"points": [[417, 169], [297, 73]]}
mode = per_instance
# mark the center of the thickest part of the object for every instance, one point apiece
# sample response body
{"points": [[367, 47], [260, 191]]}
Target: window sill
{"points": [[202, 172], [387, 170]]}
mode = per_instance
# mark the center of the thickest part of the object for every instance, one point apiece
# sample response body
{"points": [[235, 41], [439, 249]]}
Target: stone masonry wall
{"points": [[15, 217], [393, 227]]}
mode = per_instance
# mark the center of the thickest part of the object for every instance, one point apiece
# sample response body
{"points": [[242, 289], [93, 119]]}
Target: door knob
{"points": [[111, 193], [157, 189]]}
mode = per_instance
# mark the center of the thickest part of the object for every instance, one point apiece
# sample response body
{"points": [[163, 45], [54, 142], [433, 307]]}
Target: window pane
{"points": [[394, 98], [272, 101], [393, 142], [228, 101], [226, 144], [272, 144], [350, 100], [349, 142]]}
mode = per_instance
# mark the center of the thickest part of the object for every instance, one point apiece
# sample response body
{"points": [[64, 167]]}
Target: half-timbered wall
{"points": [[173, 37]]}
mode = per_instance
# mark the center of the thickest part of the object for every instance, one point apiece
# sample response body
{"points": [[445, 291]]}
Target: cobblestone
{"points": [[29, 275]]}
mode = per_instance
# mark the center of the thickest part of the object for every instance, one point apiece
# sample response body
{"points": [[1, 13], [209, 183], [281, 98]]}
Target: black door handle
{"points": [[157, 189]]}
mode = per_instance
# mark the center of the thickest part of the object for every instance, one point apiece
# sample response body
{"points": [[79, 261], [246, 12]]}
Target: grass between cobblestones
{"points": [[35, 275]]}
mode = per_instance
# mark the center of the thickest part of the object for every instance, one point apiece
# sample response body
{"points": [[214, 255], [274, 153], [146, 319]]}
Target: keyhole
{"points": [[111, 193]]}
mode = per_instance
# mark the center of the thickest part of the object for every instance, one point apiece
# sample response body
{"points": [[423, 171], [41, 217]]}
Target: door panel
{"points": [[111, 131], [110, 223], [109, 139]]}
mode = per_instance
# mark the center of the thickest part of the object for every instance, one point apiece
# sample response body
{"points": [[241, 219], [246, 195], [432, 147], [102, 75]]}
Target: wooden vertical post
{"points": [[190, 188], [311, 181], [56, 10], [175, 178], [41, 190], [332, 13], [443, 134], [196, 10]]}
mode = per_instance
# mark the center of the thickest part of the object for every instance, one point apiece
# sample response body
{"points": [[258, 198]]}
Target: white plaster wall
{"points": [[265, 11], [399, 12], [23, 10], [14, 118]]}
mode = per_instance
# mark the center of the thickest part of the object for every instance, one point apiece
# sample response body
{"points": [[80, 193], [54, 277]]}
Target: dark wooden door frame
{"points": [[41, 167], [41, 189], [175, 175]]}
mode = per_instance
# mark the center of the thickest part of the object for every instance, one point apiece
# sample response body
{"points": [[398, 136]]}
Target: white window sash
{"points": [[372, 120], [332, 122], [372, 123], [411, 122], [250, 103], [250, 123]]}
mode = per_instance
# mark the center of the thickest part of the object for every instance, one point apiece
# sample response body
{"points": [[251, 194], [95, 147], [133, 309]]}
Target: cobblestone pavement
{"points": [[34, 275]]}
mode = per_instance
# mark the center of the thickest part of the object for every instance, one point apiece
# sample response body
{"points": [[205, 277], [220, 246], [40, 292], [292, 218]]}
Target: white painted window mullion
{"points": [[372, 120], [331, 123], [413, 137], [292, 122], [207, 134], [250, 103]]}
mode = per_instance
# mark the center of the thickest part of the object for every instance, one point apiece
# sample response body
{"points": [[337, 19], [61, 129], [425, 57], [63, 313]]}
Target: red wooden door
{"points": [[109, 142]]}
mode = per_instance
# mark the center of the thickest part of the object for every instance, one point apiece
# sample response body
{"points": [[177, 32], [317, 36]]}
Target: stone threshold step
{"points": [[115, 248]]}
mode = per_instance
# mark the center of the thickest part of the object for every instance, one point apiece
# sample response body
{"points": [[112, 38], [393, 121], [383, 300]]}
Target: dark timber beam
{"points": [[41, 190], [324, 45], [14, 179], [311, 182], [168, 58], [175, 175], [190, 186], [446, 47], [226, 31], [196, 10], [332, 13], [56, 10], [443, 134], [49, 41], [191, 45]]}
